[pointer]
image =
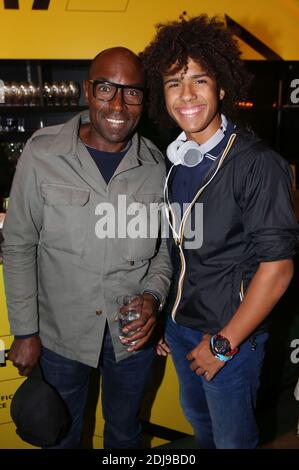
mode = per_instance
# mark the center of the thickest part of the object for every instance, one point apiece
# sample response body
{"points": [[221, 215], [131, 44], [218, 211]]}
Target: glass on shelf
{"points": [[12, 124], [64, 93], [21, 125], [55, 93], [9, 124], [75, 92], [29, 95], [16, 94], [61, 93], [5, 201], [21, 94], [33, 94], [47, 94], [7, 93], [24, 92], [2, 94], [51, 94], [12, 151]]}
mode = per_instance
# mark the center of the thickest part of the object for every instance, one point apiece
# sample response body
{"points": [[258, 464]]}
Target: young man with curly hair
{"points": [[224, 289]]}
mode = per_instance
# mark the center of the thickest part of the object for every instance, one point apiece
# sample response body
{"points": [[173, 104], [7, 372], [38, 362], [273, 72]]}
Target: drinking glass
{"points": [[128, 316]]}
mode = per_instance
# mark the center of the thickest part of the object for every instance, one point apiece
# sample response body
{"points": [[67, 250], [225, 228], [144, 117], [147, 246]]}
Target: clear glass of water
{"points": [[127, 317]]}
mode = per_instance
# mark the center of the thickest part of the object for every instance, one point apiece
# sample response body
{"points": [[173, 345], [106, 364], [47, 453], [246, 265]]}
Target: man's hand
{"points": [[162, 348], [25, 353], [203, 362], [147, 305]]}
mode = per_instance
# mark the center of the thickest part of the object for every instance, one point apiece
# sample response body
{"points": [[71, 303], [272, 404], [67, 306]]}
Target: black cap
{"points": [[39, 413]]}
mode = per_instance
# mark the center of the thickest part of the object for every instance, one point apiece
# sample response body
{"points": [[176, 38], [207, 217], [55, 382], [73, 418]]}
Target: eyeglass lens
{"points": [[107, 91]]}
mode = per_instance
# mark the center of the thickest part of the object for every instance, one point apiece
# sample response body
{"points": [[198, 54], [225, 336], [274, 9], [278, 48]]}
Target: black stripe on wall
{"points": [[162, 432], [40, 5], [11, 4], [251, 40]]}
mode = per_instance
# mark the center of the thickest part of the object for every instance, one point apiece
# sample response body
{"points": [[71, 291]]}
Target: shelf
{"points": [[73, 109], [40, 109], [15, 136], [285, 107]]}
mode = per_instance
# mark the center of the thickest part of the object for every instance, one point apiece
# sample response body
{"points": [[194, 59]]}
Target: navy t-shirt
{"points": [[107, 162], [186, 181]]}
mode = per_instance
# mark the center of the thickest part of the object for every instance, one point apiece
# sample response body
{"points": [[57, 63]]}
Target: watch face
{"points": [[221, 345]]}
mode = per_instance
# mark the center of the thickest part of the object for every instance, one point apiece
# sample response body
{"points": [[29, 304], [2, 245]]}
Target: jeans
{"points": [[222, 411], [123, 388]]}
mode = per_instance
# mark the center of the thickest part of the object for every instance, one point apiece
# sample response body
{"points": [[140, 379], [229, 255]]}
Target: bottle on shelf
{"points": [[5, 201], [2, 94]]}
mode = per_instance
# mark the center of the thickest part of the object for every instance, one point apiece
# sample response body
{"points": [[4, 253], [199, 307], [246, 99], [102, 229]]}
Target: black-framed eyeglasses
{"points": [[106, 91]]}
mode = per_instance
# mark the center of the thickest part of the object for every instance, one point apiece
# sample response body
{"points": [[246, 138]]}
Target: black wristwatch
{"points": [[221, 345], [221, 348]]}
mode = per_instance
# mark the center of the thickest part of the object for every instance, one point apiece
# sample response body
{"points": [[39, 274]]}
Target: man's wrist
{"points": [[156, 296], [220, 347], [25, 336]]}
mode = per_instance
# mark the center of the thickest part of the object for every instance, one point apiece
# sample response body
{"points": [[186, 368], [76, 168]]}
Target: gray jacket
{"points": [[62, 277]]}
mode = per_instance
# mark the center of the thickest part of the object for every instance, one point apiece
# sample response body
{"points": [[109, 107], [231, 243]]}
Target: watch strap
{"points": [[222, 357]]}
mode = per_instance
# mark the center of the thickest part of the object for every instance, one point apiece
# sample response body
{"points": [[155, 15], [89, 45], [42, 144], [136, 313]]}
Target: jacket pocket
{"points": [[143, 227], [66, 215]]}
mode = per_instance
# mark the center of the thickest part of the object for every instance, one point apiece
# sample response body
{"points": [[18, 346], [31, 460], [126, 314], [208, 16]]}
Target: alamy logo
{"points": [[148, 220], [294, 97], [295, 353]]}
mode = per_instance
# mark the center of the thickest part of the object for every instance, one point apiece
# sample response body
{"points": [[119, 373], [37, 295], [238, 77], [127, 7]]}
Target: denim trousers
{"points": [[123, 386], [222, 411]]}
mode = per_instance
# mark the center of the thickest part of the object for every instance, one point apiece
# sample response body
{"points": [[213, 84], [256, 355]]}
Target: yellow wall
{"points": [[163, 408], [79, 29]]}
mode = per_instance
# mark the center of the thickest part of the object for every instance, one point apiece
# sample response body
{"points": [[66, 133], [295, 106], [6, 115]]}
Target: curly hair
{"points": [[208, 42]]}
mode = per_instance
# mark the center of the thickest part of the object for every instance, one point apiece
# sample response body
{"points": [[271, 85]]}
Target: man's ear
{"points": [[221, 94]]}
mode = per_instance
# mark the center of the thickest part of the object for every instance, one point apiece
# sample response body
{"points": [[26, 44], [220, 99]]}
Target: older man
{"points": [[69, 250]]}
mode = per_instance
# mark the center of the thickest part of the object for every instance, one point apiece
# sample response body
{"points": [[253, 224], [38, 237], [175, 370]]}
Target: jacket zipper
{"points": [[241, 293], [182, 226]]}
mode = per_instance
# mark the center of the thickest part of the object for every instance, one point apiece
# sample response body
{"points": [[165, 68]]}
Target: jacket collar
{"points": [[66, 143], [244, 141]]}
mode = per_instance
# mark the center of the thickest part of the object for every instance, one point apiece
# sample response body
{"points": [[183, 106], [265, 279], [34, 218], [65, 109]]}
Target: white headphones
{"points": [[190, 153]]}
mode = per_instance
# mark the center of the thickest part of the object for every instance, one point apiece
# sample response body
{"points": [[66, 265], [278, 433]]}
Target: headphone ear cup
{"points": [[184, 153], [172, 151], [189, 154]]}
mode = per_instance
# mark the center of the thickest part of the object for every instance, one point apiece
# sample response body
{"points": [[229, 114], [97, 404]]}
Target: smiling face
{"points": [[192, 100], [112, 122]]}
